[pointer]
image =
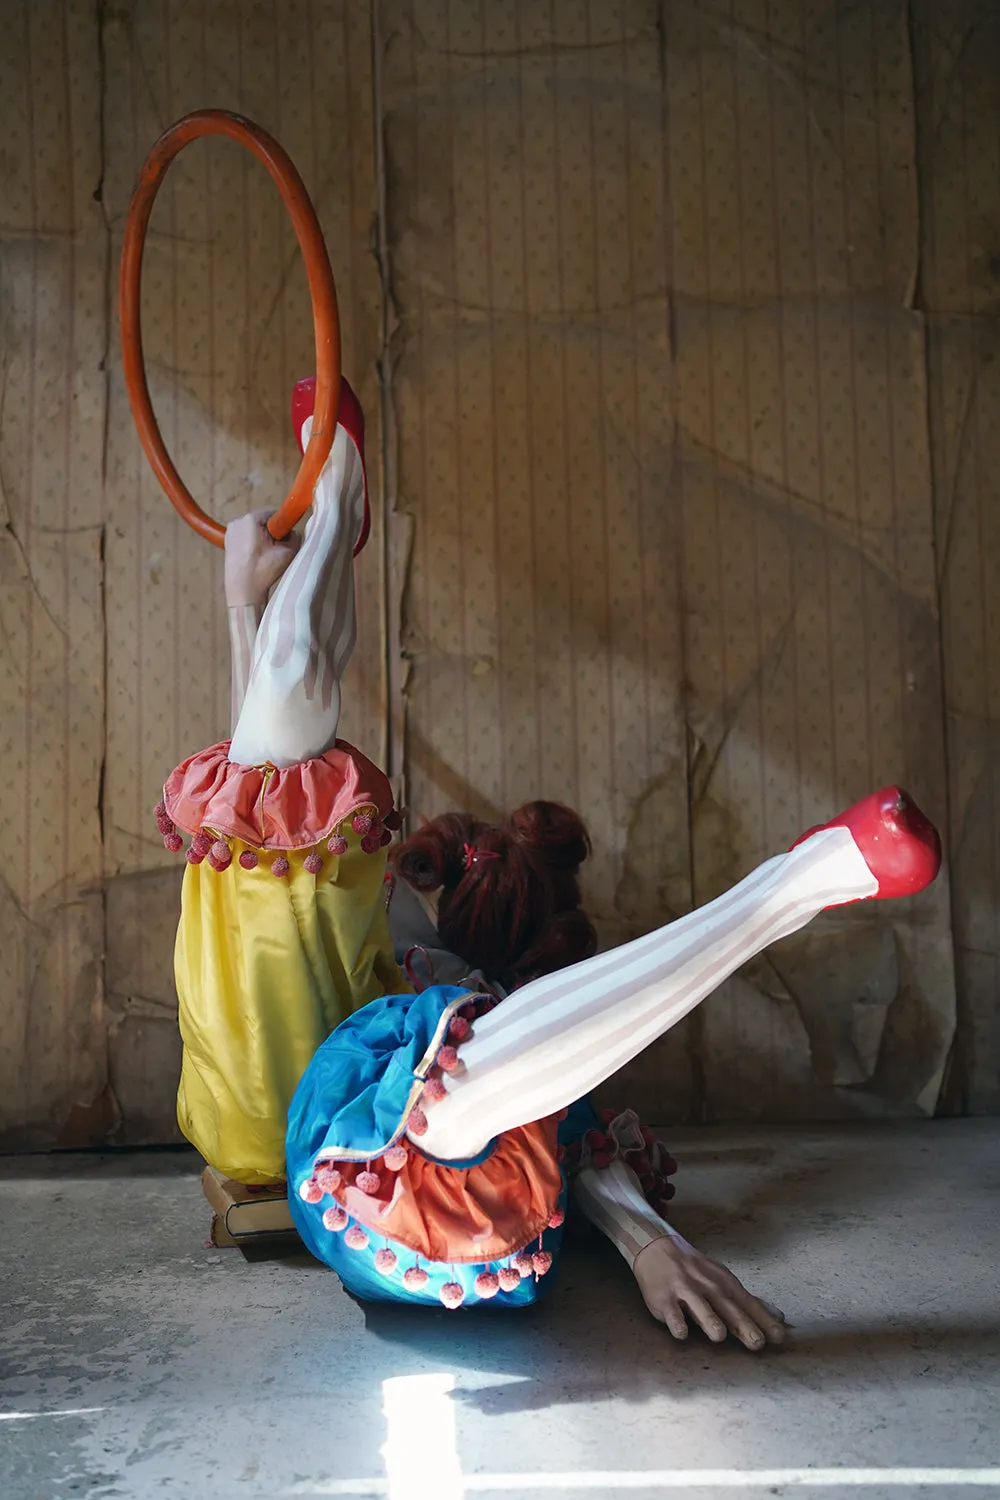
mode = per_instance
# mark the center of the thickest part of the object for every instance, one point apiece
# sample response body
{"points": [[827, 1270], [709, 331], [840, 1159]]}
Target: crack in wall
{"points": [[393, 566]]}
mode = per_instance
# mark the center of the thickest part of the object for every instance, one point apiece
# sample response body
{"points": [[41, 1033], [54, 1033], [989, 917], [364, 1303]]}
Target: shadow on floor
{"points": [[149, 1161], [600, 1341]]}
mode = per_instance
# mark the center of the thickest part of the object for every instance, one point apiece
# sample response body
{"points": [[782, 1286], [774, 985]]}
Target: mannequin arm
{"points": [[676, 1281]]}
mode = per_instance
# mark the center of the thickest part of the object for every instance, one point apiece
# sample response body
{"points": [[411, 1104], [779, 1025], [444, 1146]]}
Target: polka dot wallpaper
{"points": [[682, 321]]}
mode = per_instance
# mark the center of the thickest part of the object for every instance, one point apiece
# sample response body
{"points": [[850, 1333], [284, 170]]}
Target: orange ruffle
{"points": [[272, 808], [447, 1213]]}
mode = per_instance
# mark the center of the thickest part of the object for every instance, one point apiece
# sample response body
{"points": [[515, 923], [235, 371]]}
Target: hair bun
{"points": [[554, 834], [510, 902], [433, 856]]}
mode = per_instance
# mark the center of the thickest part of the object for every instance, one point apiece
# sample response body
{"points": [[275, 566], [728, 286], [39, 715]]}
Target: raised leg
{"points": [[558, 1037], [291, 708]]}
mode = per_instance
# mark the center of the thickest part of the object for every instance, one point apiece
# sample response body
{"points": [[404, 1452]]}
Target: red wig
{"points": [[510, 899]]}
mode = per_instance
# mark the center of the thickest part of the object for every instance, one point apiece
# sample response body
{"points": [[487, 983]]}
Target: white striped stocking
{"points": [[244, 622], [292, 705], [558, 1037]]}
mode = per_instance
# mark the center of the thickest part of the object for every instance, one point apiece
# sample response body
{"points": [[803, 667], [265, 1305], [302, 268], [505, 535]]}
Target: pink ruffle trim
{"points": [[272, 808]]}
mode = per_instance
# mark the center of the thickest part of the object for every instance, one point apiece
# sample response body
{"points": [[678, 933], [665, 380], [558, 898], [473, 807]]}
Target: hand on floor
{"points": [[677, 1283], [254, 559]]}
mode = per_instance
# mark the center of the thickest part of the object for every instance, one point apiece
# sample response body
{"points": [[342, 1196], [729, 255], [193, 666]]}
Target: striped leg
{"points": [[244, 622], [291, 708], [558, 1037]]}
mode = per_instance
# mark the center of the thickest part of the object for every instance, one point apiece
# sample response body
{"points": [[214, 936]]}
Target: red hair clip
{"points": [[473, 855]]}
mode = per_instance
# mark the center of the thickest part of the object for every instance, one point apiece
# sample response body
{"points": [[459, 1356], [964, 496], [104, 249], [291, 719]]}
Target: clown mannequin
{"points": [[424, 1155], [283, 928], [425, 1145]]}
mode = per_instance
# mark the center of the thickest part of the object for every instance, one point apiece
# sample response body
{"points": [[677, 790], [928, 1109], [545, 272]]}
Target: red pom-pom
{"points": [[368, 1182], [447, 1059], [377, 829], [541, 1262], [173, 842], [220, 856], [606, 1115], [280, 867], [335, 1219], [160, 810], [639, 1162], [522, 1265], [596, 1140], [165, 824], [338, 845], [601, 1159], [434, 1090], [487, 1285], [415, 1278], [468, 1011], [452, 1294], [193, 856], [355, 1238], [459, 1029], [385, 1262], [417, 1123], [508, 1278], [328, 1177], [249, 860], [557, 1220], [385, 838], [201, 843], [370, 844], [313, 863], [395, 1158], [668, 1192], [393, 820], [361, 822], [310, 1191]]}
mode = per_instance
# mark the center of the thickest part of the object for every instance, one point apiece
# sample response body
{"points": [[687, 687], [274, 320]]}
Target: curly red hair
{"points": [[510, 897]]}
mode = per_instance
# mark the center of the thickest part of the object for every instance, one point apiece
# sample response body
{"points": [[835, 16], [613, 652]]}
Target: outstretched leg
{"points": [[560, 1036], [291, 708]]}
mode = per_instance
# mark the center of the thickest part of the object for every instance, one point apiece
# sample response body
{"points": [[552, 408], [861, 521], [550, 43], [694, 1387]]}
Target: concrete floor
{"points": [[138, 1363]]}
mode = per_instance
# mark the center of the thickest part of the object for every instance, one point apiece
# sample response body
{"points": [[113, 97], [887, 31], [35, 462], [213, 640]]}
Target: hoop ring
{"points": [[326, 320]]}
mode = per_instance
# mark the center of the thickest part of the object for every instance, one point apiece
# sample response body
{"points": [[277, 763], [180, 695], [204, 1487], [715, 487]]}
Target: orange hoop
{"points": [[326, 321]]}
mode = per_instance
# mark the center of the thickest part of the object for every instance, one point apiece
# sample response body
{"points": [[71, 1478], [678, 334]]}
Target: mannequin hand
{"points": [[675, 1279], [254, 559]]}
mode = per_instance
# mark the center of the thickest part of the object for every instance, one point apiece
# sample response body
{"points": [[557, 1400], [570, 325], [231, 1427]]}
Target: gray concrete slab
{"points": [[138, 1363]]}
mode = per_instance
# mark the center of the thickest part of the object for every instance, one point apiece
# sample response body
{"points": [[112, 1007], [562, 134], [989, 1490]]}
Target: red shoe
{"points": [[350, 417], [899, 845]]}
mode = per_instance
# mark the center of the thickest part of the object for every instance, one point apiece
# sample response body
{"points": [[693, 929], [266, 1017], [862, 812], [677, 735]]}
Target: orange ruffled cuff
{"points": [[272, 808]]}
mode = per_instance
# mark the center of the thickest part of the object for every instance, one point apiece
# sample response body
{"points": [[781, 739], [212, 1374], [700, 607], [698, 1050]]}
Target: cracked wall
{"points": [[685, 321], [53, 328], [91, 1050], [958, 89], [662, 441]]}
